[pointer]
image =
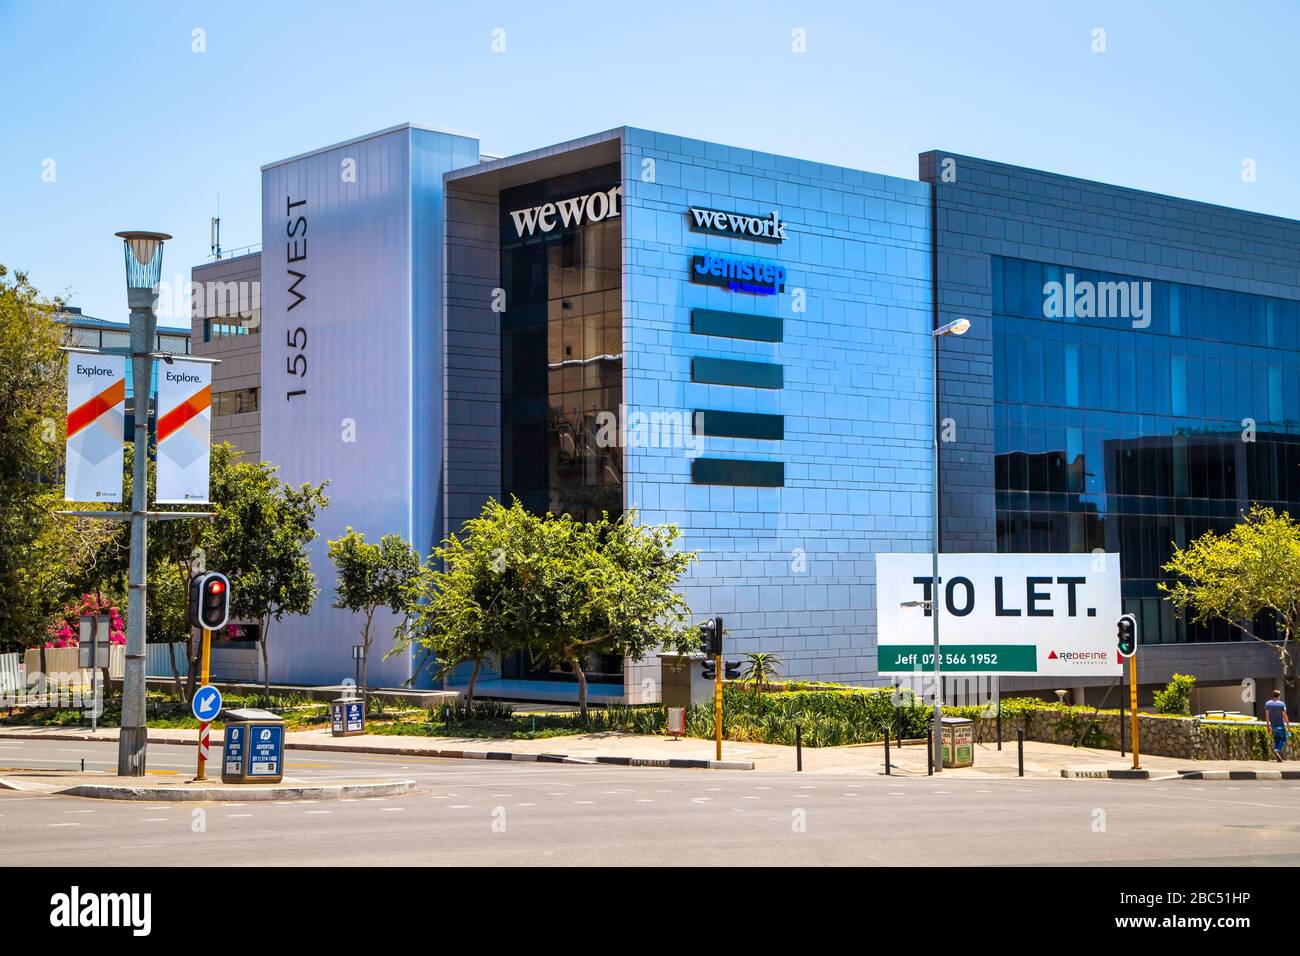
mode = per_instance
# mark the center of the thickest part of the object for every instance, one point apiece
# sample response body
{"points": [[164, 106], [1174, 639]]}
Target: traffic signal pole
{"points": [[1133, 703], [717, 701], [205, 667]]}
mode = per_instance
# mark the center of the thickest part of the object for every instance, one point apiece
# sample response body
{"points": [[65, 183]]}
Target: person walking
{"points": [[1279, 723]]}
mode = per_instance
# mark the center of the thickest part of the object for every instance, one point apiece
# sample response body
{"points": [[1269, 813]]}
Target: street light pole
{"points": [[143, 271], [958, 327]]}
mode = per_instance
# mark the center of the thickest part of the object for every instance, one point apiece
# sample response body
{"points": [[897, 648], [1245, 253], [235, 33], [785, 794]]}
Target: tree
{"points": [[620, 597], [32, 377], [259, 539], [467, 614], [605, 586], [373, 576], [1244, 577]]}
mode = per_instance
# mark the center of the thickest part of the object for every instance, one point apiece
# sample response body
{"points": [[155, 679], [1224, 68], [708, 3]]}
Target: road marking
{"points": [[78, 811], [154, 820], [236, 816], [392, 809], [583, 803], [319, 811], [459, 806], [64, 824], [645, 800], [525, 804]]}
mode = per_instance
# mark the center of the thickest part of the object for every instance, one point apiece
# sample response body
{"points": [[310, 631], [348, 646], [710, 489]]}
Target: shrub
{"points": [[1176, 698]]}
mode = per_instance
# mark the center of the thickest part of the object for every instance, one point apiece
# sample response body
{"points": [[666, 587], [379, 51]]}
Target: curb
{"points": [[1237, 775], [1106, 774], [218, 794], [675, 763]]}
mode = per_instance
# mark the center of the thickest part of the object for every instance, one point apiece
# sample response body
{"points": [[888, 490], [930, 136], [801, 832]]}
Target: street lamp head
{"points": [[956, 327], [143, 258]]}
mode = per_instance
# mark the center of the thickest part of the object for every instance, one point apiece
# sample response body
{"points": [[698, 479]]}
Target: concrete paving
{"points": [[476, 812], [1041, 759]]}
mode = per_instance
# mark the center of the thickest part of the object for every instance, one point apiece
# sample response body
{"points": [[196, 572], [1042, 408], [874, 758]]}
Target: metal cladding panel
{"points": [[344, 229]]}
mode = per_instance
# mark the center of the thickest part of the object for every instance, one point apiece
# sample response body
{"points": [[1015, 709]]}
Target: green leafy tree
{"points": [[32, 377], [259, 538], [559, 588], [599, 587], [1250, 573], [1176, 698], [374, 576], [467, 615]]}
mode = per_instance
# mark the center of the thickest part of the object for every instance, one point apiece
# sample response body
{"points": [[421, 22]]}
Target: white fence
{"points": [[10, 675], [63, 660]]}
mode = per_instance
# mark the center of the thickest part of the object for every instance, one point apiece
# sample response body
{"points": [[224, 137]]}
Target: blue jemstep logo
{"points": [[738, 275]]}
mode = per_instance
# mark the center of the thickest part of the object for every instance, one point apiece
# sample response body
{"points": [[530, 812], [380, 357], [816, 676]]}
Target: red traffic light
{"points": [[216, 586]]}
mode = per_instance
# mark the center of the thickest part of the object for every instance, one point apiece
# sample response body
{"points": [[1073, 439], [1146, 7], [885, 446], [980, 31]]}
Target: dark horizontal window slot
{"points": [[739, 424], [731, 471], [756, 328], [714, 371]]}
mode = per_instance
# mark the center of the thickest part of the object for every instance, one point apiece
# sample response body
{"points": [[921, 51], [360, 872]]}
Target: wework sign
{"points": [[768, 228]]}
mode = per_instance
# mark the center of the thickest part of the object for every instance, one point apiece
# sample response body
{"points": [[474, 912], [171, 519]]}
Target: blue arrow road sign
{"points": [[206, 704]]}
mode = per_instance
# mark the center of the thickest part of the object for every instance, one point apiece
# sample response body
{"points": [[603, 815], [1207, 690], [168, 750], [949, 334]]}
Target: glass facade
{"points": [[1135, 431], [562, 372], [562, 354]]}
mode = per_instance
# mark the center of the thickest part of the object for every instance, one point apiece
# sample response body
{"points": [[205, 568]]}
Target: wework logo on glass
{"points": [[593, 207], [760, 228]]}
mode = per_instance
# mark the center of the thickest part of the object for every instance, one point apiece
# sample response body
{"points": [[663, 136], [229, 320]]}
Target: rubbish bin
{"points": [[347, 717], [958, 742], [252, 750], [677, 721]]}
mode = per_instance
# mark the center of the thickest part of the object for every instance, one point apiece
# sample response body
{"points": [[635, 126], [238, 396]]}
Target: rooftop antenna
{"points": [[216, 230]]}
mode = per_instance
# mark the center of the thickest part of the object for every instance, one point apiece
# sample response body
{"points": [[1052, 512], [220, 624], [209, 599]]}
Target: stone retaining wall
{"points": [[1158, 736]]}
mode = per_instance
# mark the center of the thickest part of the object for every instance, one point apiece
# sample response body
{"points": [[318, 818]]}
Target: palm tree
{"points": [[760, 669]]}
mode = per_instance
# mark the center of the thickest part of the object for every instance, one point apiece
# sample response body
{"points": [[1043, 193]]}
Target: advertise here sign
{"points": [[1014, 614], [96, 420], [184, 432]]}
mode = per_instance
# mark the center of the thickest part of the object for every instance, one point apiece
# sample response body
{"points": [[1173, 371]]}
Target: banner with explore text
{"points": [[96, 420], [184, 432]]}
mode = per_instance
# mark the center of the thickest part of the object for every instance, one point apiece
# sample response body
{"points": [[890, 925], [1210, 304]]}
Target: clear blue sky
{"points": [[146, 133]]}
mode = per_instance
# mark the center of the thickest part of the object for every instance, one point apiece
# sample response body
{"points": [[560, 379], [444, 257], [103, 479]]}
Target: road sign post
{"points": [[93, 637], [206, 705]]}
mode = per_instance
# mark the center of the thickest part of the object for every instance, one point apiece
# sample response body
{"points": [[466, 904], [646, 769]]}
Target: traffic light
{"points": [[709, 668], [209, 600], [1126, 635], [733, 670], [711, 637]]}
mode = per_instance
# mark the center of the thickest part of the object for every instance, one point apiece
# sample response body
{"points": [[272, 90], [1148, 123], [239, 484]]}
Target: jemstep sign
{"points": [[1014, 614]]}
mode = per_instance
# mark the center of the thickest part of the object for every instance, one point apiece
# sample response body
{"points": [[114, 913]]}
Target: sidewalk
{"points": [[1042, 760]]}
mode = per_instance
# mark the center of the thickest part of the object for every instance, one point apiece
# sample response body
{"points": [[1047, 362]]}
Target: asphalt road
{"points": [[481, 812]]}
